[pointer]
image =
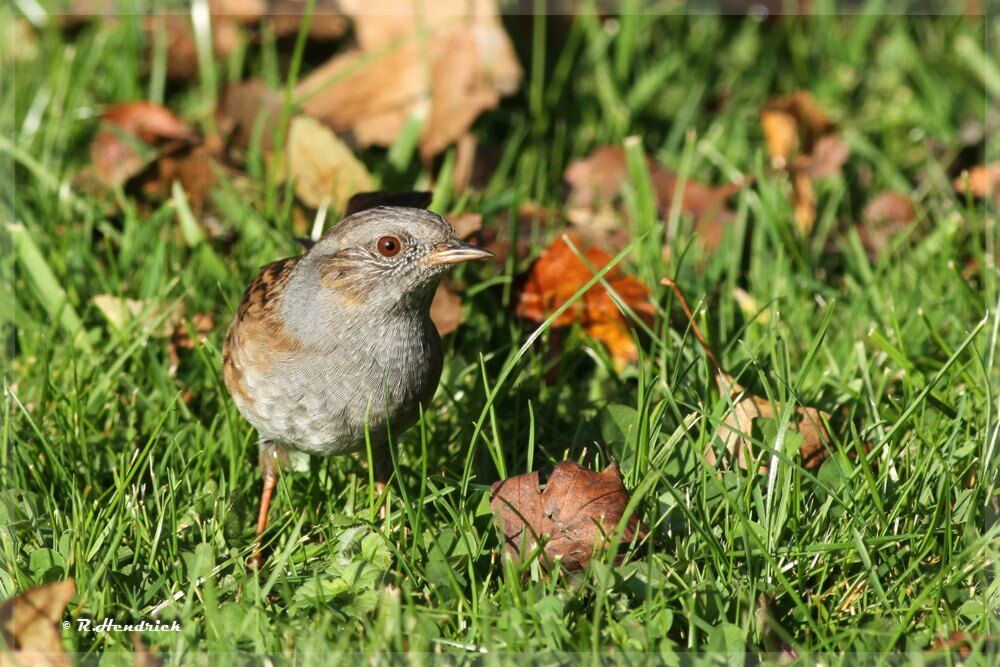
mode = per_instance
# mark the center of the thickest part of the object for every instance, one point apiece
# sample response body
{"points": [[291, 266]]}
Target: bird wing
{"points": [[258, 297]]}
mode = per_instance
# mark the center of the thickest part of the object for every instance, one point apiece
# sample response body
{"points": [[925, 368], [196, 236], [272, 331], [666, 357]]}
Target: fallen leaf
{"points": [[441, 61], [133, 135], [594, 206], [982, 181], [322, 167], [809, 116], [182, 49], [889, 207], [180, 338], [466, 224], [736, 428], [827, 157], [285, 17], [781, 132], [804, 200], [30, 624], [152, 319], [446, 310], [193, 166], [247, 107], [961, 643], [800, 138], [576, 514], [465, 162], [887, 214], [556, 276]]}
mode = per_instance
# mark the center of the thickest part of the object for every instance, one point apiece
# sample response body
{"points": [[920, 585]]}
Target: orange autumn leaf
{"points": [[559, 273], [981, 181]]}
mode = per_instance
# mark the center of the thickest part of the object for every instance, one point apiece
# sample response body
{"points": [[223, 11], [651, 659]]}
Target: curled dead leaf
{"points": [[322, 167], [441, 62], [152, 319], [30, 624], [180, 337], [132, 135], [466, 224], [890, 207], [800, 138], [594, 205], [446, 310], [781, 132], [556, 276], [737, 428], [885, 216], [248, 107], [577, 513]]}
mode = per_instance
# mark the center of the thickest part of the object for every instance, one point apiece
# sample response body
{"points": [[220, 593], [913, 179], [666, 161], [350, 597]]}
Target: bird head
{"points": [[388, 257]]}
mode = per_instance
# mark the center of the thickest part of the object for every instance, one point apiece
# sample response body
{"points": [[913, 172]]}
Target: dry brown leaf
{"points": [[132, 135], [827, 157], [30, 624], [194, 167], [443, 61], [180, 338], [981, 181], [182, 50], [804, 199], [446, 310], [738, 424], [737, 428], [577, 513], [593, 205], [466, 224], [322, 167], [781, 132], [887, 214], [889, 208], [244, 105], [285, 18], [152, 319], [465, 162], [800, 138], [557, 275]]}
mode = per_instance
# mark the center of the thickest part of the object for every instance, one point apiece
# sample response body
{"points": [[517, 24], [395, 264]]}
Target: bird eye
{"points": [[388, 246]]}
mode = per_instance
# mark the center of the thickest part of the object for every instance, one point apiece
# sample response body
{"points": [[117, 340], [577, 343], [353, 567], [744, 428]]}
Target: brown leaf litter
{"points": [[801, 139], [30, 624], [737, 428], [575, 515], [442, 62], [594, 204]]}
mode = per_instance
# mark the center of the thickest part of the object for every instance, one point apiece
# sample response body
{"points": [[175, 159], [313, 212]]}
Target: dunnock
{"points": [[339, 340]]}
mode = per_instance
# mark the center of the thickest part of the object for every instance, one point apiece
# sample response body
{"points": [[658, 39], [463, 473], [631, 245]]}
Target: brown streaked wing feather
{"points": [[262, 288], [254, 317]]}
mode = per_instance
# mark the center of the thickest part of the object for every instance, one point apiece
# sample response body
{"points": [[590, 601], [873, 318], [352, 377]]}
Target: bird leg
{"points": [[382, 471], [270, 461]]}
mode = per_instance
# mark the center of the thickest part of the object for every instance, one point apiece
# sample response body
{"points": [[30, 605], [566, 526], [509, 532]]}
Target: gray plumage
{"points": [[341, 336]]}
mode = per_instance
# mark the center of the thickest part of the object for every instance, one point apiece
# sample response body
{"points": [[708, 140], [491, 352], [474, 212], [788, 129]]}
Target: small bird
{"points": [[339, 341]]}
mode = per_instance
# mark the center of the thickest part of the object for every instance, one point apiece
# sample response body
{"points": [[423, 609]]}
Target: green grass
{"points": [[141, 485]]}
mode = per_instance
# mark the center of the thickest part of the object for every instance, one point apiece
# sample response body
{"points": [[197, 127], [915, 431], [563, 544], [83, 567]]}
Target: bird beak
{"points": [[457, 252]]}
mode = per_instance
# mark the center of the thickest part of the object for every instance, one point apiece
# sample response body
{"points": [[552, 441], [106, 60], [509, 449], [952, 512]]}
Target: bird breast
{"points": [[320, 399]]}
